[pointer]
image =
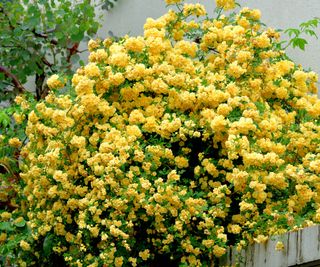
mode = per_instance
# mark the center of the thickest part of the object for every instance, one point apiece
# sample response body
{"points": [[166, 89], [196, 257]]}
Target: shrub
{"points": [[198, 135]]}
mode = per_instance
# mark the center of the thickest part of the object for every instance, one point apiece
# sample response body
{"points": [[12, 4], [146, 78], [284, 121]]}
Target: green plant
{"points": [[296, 35], [198, 135], [14, 231], [169, 147], [36, 40]]}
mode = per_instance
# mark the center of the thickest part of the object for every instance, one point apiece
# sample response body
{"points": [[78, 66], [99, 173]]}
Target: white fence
{"points": [[300, 248]]}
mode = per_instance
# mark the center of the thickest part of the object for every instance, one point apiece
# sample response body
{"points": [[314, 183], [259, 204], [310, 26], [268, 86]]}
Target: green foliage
{"points": [[39, 38], [305, 29], [14, 227]]}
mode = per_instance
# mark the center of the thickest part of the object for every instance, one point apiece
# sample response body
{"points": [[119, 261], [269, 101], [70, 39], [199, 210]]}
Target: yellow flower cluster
{"points": [[171, 2], [226, 4], [24, 245], [14, 142], [54, 82], [175, 146]]}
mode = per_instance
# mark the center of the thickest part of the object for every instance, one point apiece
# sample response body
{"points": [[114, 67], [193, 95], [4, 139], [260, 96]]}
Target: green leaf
{"points": [[261, 107], [292, 31], [299, 42], [74, 59], [77, 37], [59, 35], [235, 114], [311, 33], [32, 9], [4, 119], [6, 226], [48, 244], [34, 21], [20, 224], [313, 23]]}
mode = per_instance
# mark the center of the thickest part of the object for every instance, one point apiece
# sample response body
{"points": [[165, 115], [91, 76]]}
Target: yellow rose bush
{"points": [[198, 135]]}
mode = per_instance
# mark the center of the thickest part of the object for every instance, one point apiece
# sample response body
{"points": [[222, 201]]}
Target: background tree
{"points": [[39, 38]]}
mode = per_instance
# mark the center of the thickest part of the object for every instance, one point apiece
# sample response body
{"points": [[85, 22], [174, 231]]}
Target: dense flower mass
{"points": [[198, 135]]}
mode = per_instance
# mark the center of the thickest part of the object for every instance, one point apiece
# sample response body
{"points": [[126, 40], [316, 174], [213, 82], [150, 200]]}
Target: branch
{"points": [[72, 50], [40, 35], [81, 51], [45, 36], [14, 79], [46, 62]]}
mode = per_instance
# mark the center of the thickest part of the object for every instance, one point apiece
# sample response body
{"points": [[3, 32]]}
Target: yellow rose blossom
{"points": [[54, 82], [279, 246], [93, 44], [78, 141], [226, 4], [144, 254], [262, 41], [5, 216], [133, 261], [170, 2], [235, 70], [91, 70], [15, 142], [194, 9], [100, 55], [261, 239], [135, 44], [24, 245], [19, 118], [218, 251], [84, 86], [118, 59], [181, 162], [3, 238], [18, 99]]}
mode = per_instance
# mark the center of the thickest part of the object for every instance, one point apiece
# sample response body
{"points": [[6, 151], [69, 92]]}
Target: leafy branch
{"points": [[296, 34], [14, 79], [39, 38]]}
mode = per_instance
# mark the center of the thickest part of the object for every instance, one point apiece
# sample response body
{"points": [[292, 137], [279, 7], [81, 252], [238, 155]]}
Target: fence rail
{"points": [[301, 248]]}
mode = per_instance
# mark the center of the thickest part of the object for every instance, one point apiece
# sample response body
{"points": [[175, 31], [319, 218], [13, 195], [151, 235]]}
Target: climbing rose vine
{"points": [[198, 135]]}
